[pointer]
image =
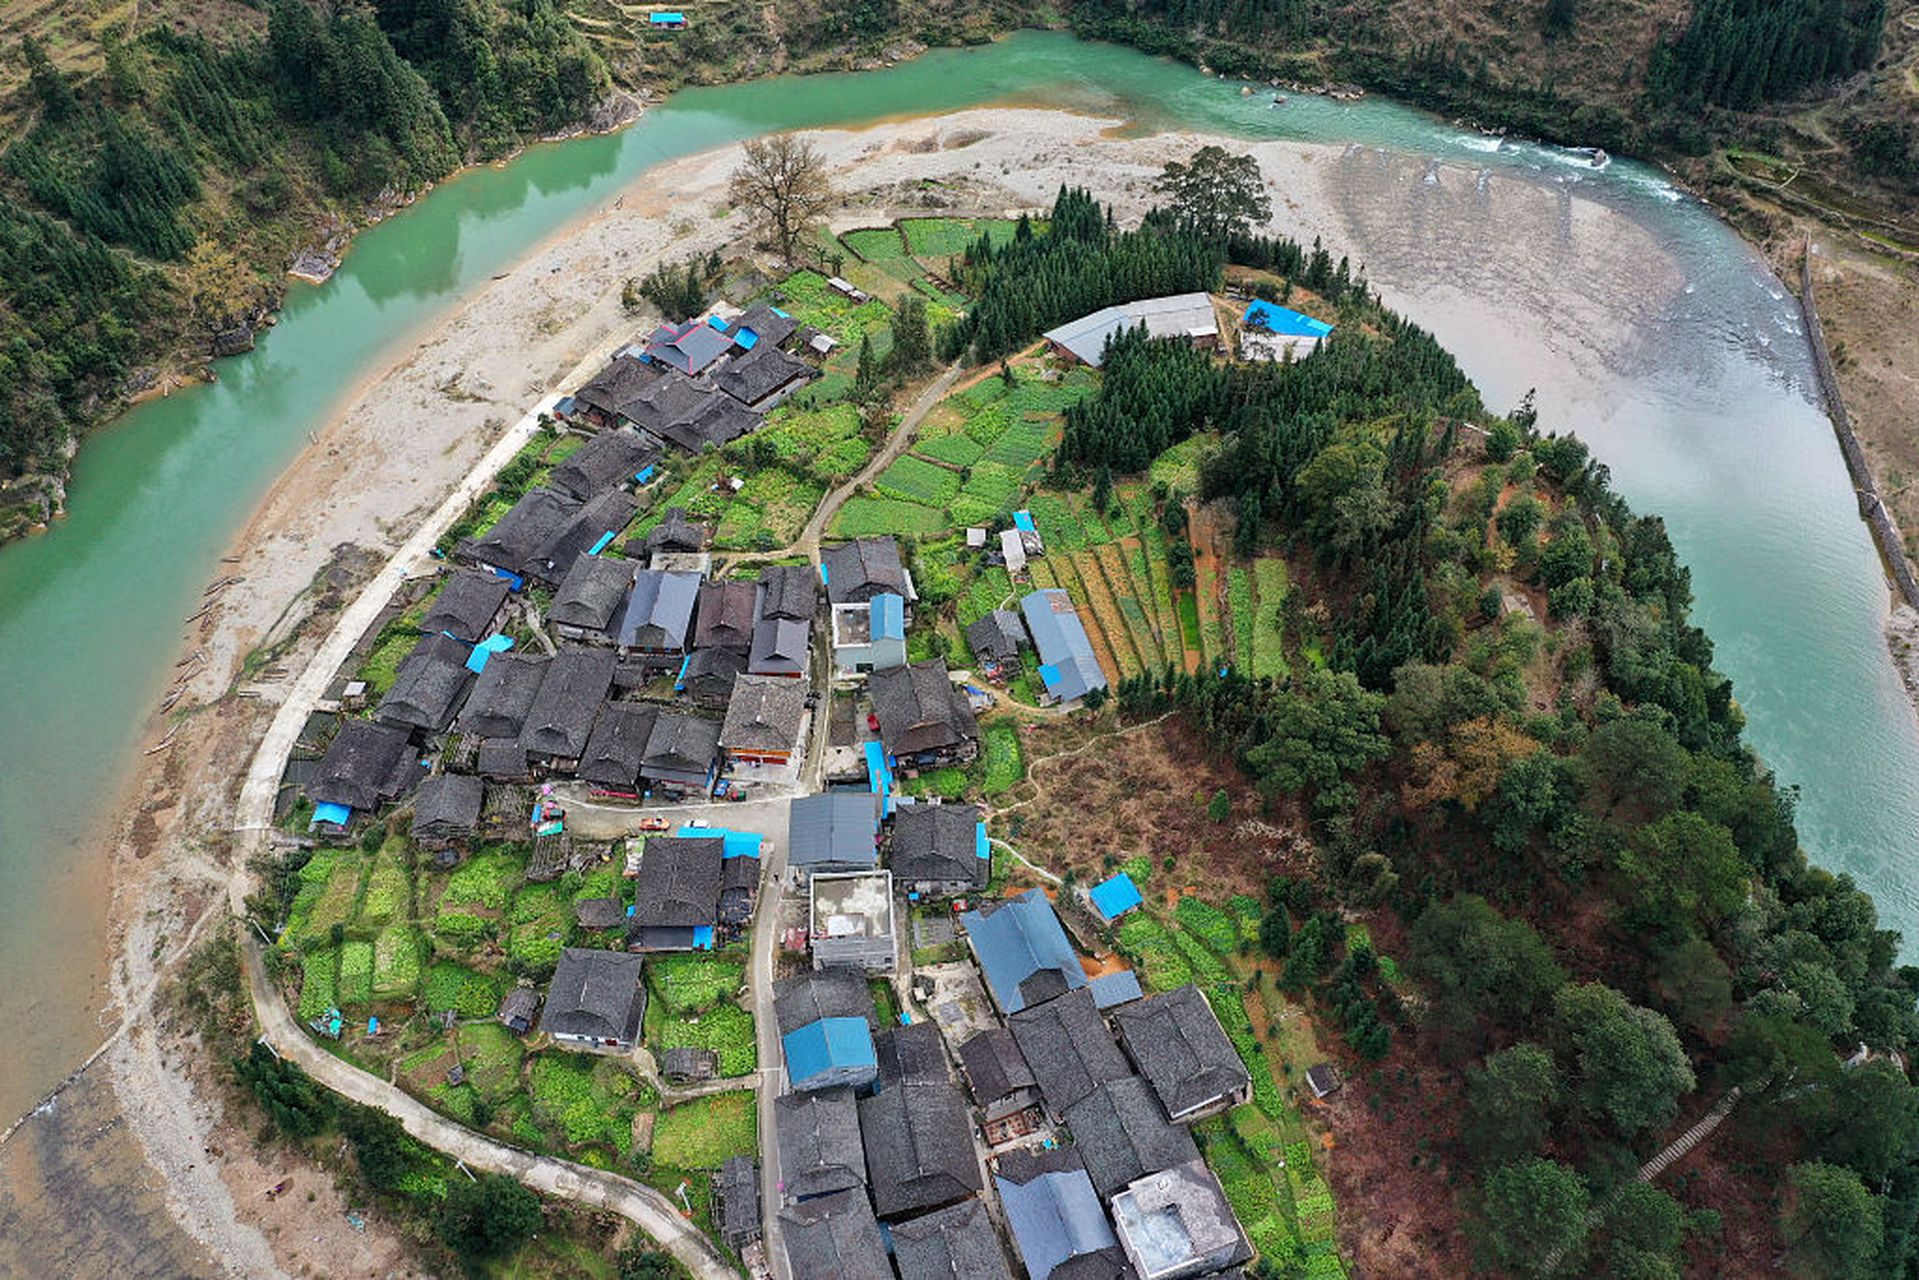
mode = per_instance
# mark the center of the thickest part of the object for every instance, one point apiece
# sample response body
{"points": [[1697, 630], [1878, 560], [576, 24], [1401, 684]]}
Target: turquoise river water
{"points": [[1645, 324]]}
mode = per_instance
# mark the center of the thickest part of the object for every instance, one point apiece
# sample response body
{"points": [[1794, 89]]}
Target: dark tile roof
{"points": [[618, 744], [998, 637], [752, 377], [448, 804], [664, 399], [561, 717], [912, 1054], [365, 766], [772, 327], [859, 570], [956, 1243], [1121, 1133], [592, 592], [834, 1238], [595, 993], [675, 532], [779, 647], [659, 613], [1067, 1045], [938, 842], [623, 378], [521, 536], [919, 710], [716, 422], [599, 913], [1181, 1049], [765, 714], [832, 992], [607, 514], [466, 606], [518, 1008], [919, 1148], [681, 744], [818, 1133], [725, 616], [833, 829], [686, 1063], [712, 673], [429, 687], [994, 1066], [608, 461], [789, 591], [678, 885], [737, 1191], [502, 759], [502, 695]]}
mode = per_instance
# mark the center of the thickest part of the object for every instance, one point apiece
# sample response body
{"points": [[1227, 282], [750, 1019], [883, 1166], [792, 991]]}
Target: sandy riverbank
{"points": [[403, 440]]}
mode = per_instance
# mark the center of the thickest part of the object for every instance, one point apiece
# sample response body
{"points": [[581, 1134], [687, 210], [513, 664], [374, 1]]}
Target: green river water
{"points": [[1678, 357]]}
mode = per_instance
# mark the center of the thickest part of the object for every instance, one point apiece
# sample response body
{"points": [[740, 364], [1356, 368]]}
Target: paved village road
{"points": [[649, 1209], [766, 1029], [656, 1215]]}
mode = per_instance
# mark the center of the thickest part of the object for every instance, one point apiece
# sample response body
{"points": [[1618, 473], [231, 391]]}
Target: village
{"points": [[649, 824]]}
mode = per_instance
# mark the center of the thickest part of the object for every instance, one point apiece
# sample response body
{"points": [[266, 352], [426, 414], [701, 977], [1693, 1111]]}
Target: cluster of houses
{"points": [[1073, 1108]]}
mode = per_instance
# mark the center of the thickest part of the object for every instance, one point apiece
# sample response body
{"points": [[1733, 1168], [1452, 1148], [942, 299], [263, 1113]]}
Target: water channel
{"points": [[1645, 324]]}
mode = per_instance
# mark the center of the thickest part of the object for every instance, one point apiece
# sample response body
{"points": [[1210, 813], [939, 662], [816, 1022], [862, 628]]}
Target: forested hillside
{"points": [[1527, 784], [149, 202]]}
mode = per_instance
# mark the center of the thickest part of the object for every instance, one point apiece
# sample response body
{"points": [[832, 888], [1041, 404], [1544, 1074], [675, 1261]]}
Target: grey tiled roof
{"points": [[618, 744], [772, 327], [912, 1054], [502, 695], [606, 514], [679, 883], [592, 592], [607, 461], [1053, 1213], [919, 710], [859, 570], [622, 378], [834, 828], [448, 804], [994, 1066], [725, 615], [429, 687], [752, 377], [502, 758], [466, 605], [712, 673], [675, 532], [596, 994], [526, 531], [834, 1238], [938, 842], [833, 992], [998, 636], [919, 1147], [779, 646], [365, 766], [789, 591], [1122, 1134], [1181, 1049], [955, 1243], [1067, 1045], [819, 1142], [659, 613], [681, 744], [764, 715], [561, 717]]}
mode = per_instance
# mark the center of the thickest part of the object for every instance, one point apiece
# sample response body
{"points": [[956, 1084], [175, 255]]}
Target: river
{"points": [[1645, 324]]}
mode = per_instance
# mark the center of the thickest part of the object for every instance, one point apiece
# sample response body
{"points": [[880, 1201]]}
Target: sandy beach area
{"points": [[404, 439]]}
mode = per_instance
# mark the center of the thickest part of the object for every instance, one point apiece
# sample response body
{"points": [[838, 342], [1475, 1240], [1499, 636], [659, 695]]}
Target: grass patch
{"points": [[1005, 765], [686, 984], [396, 962], [984, 594], [1269, 636], [957, 449], [356, 974], [452, 986], [389, 891], [875, 244], [541, 922], [1239, 595], [585, 1101], [916, 480], [864, 517], [726, 1029], [483, 881], [706, 1132], [319, 982]]}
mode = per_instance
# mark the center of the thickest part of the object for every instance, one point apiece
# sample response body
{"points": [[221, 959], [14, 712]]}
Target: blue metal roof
{"points": [[1285, 322], [1067, 664], [982, 844], [666, 19], [1116, 988], [600, 545], [879, 776], [1115, 897], [734, 844], [825, 1044], [1020, 938], [476, 661], [338, 814], [1023, 521], [746, 338], [1054, 1218], [888, 613]]}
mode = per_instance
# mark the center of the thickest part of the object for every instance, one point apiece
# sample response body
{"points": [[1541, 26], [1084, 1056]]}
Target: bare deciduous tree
{"points": [[783, 183]]}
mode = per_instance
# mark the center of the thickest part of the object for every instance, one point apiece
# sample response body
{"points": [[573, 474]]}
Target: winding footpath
{"points": [[646, 1207]]}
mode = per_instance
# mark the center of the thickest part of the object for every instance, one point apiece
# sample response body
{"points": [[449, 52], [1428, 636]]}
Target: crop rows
{"points": [[956, 449], [1212, 637], [1239, 596], [1110, 643], [1112, 564], [1269, 638], [913, 479], [865, 517], [1023, 443]]}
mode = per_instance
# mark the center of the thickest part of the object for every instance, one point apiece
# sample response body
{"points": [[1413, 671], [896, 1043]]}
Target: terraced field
{"points": [[1094, 593], [1112, 560], [1269, 639], [1047, 572]]}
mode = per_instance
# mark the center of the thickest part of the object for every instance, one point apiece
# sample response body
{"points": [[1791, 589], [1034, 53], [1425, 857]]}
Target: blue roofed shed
{"points": [[830, 1051], [1115, 897], [1023, 950], [1067, 665], [476, 661], [1272, 332], [734, 844], [672, 21]]}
